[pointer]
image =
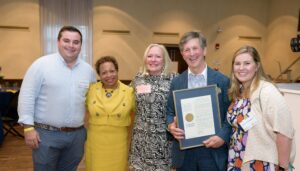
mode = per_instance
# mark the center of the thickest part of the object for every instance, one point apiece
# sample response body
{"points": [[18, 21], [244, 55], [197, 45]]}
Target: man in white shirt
{"points": [[52, 105]]}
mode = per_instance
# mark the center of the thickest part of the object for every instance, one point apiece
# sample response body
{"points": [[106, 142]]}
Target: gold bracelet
{"points": [[28, 129]]}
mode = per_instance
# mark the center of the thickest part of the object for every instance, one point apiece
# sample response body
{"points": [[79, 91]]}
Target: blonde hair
{"points": [[166, 58], [235, 88]]}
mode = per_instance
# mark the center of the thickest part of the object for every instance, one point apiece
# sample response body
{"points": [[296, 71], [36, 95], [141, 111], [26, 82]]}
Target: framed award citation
{"points": [[198, 114]]}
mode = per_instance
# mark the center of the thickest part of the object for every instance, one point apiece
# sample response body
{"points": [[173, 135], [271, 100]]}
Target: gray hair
{"points": [[191, 35]]}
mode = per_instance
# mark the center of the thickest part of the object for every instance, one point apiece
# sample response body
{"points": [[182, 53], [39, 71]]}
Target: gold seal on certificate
{"points": [[189, 117]]}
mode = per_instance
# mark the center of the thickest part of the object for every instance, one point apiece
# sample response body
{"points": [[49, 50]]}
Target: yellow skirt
{"points": [[106, 148]]}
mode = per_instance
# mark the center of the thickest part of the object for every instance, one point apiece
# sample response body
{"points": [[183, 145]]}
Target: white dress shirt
{"points": [[197, 80]]}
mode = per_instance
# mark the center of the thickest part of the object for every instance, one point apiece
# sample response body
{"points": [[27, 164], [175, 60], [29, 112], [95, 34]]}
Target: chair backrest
{"points": [[5, 98], [12, 110]]}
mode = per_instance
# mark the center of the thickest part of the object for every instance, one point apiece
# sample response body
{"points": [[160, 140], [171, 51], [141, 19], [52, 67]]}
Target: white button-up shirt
{"points": [[197, 80], [54, 94]]}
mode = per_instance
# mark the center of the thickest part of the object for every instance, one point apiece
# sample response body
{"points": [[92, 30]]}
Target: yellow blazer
{"points": [[114, 110]]}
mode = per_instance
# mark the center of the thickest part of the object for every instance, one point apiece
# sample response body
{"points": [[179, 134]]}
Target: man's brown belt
{"points": [[52, 128]]}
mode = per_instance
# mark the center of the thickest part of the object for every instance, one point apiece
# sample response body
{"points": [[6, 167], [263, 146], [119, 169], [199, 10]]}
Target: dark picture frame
{"points": [[179, 95]]}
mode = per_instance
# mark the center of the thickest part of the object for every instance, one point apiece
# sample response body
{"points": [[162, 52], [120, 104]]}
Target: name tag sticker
{"points": [[249, 122], [83, 84], [143, 88]]}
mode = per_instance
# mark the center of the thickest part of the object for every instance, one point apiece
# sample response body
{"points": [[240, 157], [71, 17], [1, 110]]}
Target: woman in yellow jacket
{"points": [[110, 104]]}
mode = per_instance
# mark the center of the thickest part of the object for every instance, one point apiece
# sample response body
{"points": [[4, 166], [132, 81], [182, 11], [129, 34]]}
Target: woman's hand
{"points": [[284, 149]]}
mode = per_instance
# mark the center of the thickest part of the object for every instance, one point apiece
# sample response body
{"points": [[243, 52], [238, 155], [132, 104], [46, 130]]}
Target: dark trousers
{"points": [[198, 159]]}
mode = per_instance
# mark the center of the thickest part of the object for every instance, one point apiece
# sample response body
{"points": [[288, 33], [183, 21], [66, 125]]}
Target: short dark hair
{"points": [[106, 59], [69, 28], [191, 35]]}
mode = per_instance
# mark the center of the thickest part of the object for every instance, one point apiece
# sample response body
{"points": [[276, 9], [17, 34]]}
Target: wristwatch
{"points": [[168, 128], [281, 169]]}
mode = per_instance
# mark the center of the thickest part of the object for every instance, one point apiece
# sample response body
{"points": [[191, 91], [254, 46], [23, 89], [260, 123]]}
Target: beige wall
{"points": [[270, 24], [145, 17], [282, 26], [19, 47]]}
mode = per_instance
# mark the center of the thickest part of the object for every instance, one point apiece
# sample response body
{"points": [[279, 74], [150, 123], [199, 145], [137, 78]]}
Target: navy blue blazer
{"points": [[213, 77]]}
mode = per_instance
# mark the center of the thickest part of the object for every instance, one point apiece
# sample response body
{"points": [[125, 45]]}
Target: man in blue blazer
{"points": [[213, 155]]}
